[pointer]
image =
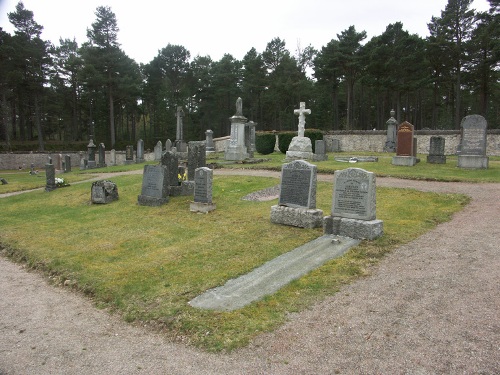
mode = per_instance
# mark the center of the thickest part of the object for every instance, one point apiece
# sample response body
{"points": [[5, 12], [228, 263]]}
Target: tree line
{"points": [[69, 92]]}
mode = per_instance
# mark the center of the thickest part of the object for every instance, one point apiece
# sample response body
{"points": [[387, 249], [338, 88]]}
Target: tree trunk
{"points": [[111, 116], [39, 129]]}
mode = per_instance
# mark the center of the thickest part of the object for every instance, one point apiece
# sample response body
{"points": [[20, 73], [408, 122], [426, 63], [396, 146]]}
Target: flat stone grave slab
{"points": [[273, 275]]}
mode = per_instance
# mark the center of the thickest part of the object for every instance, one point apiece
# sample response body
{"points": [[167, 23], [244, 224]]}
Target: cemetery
{"points": [[312, 222]]}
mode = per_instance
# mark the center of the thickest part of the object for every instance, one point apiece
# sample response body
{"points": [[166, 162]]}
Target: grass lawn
{"points": [[146, 263]]}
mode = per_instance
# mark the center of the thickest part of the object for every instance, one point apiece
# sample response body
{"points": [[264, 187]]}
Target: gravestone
{"points": [[140, 152], [297, 200], [237, 149], [202, 201], [50, 176], [103, 192], [390, 143], [129, 154], [300, 147], [250, 137], [196, 157], [102, 155], [405, 150], [91, 154], [3, 181], [320, 150], [32, 169], [155, 186], [67, 163], [436, 151], [170, 161], [335, 145], [57, 161], [168, 145], [354, 206], [158, 151], [473, 144], [209, 139], [112, 155]]}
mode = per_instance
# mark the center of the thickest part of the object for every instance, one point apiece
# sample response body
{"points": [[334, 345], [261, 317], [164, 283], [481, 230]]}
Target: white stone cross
{"points": [[302, 112]]}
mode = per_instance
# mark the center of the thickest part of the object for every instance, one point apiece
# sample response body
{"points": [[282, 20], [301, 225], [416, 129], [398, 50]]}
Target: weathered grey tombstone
{"points": [[209, 139], [354, 206], [67, 163], [405, 150], [390, 143], [32, 169], [140, 151], [473, 144], [155, 186], [436, 151], [202, 201], [91, 154], [250, 138], [102, 155], [58, 160], [196, 157], [158, 151], [300, 147], [320, 150], [103, 192], [170, 161], [237, 149], [4, 181], [50, 175], [129, 154], [168, 145], [112, 155], [335, 145], [297, 200]]}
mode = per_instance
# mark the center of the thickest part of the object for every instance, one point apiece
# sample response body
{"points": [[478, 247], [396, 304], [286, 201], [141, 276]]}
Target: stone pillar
{"points": [[91, 154], [50, 175]]}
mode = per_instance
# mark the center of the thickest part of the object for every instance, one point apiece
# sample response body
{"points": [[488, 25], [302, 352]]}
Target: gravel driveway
{"points": [[430, 307]]}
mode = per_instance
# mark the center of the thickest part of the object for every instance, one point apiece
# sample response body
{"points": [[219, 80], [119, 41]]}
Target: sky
{"points": [[216, 27]]}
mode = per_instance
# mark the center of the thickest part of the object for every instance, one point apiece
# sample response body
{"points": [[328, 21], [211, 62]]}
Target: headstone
{"points": [[140, 151], [436, 151], [209, 139], [297, 199], [91, 154], [196, 157], [4, 181], [168, 145], [300, 147], [335, 145], [237, 149], [112, 155], [102, 155], [170, 161], [67, 163], [103, 192], [202, 201], [390, 143], [155, 186], [58, 162], [473, 144], [250, 138], [405, 151], [50, 175], [320, 150], [32, 169], [158, 151], [354, 206], [129, 154]]}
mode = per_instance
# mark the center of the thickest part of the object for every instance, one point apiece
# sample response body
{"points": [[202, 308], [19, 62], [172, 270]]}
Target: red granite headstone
{"points": [[405, 140]]}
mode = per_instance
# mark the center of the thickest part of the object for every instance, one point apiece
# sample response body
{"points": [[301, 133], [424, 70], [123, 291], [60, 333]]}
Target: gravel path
{"points": [[430, 307]]}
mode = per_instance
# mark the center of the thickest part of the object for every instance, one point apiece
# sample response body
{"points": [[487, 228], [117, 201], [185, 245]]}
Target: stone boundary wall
{"points": [[374, 141]]}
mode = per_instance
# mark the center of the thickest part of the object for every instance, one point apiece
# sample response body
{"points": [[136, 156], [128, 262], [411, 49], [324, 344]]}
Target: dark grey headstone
{"points": [[103, 192], [436, 151], [67, 163], [129, 153], [158, 150], [155, 186], [196, 157], [170, 161], [298, 185], [102, 155], [335, 145], [203, 185], [354, 194], [473, 135], [50, 174], [140, 151], [320, 147]]}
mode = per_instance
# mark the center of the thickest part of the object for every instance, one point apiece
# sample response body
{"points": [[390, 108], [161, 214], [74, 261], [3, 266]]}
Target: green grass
{"points": [[146, 263], [421, 171]]}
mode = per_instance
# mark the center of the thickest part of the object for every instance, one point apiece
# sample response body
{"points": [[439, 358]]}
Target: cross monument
{"points": [[302, 112]]}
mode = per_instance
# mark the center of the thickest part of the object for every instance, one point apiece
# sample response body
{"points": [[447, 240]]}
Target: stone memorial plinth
{"points": [[390, 143], [354, 206], [473, 146], [237, 149], [91, 148], [103, 192], [297, 201], [202, 201], [436, 151], [155, 186], [50, 176], [405, 150], [301, 146]]}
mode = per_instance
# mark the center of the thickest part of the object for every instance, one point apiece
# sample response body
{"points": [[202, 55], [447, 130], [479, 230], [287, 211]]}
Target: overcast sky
{"points": [[216, 27]]}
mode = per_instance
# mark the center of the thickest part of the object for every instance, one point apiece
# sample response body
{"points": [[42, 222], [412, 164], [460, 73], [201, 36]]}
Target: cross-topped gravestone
{"points": [[302, 112]]}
